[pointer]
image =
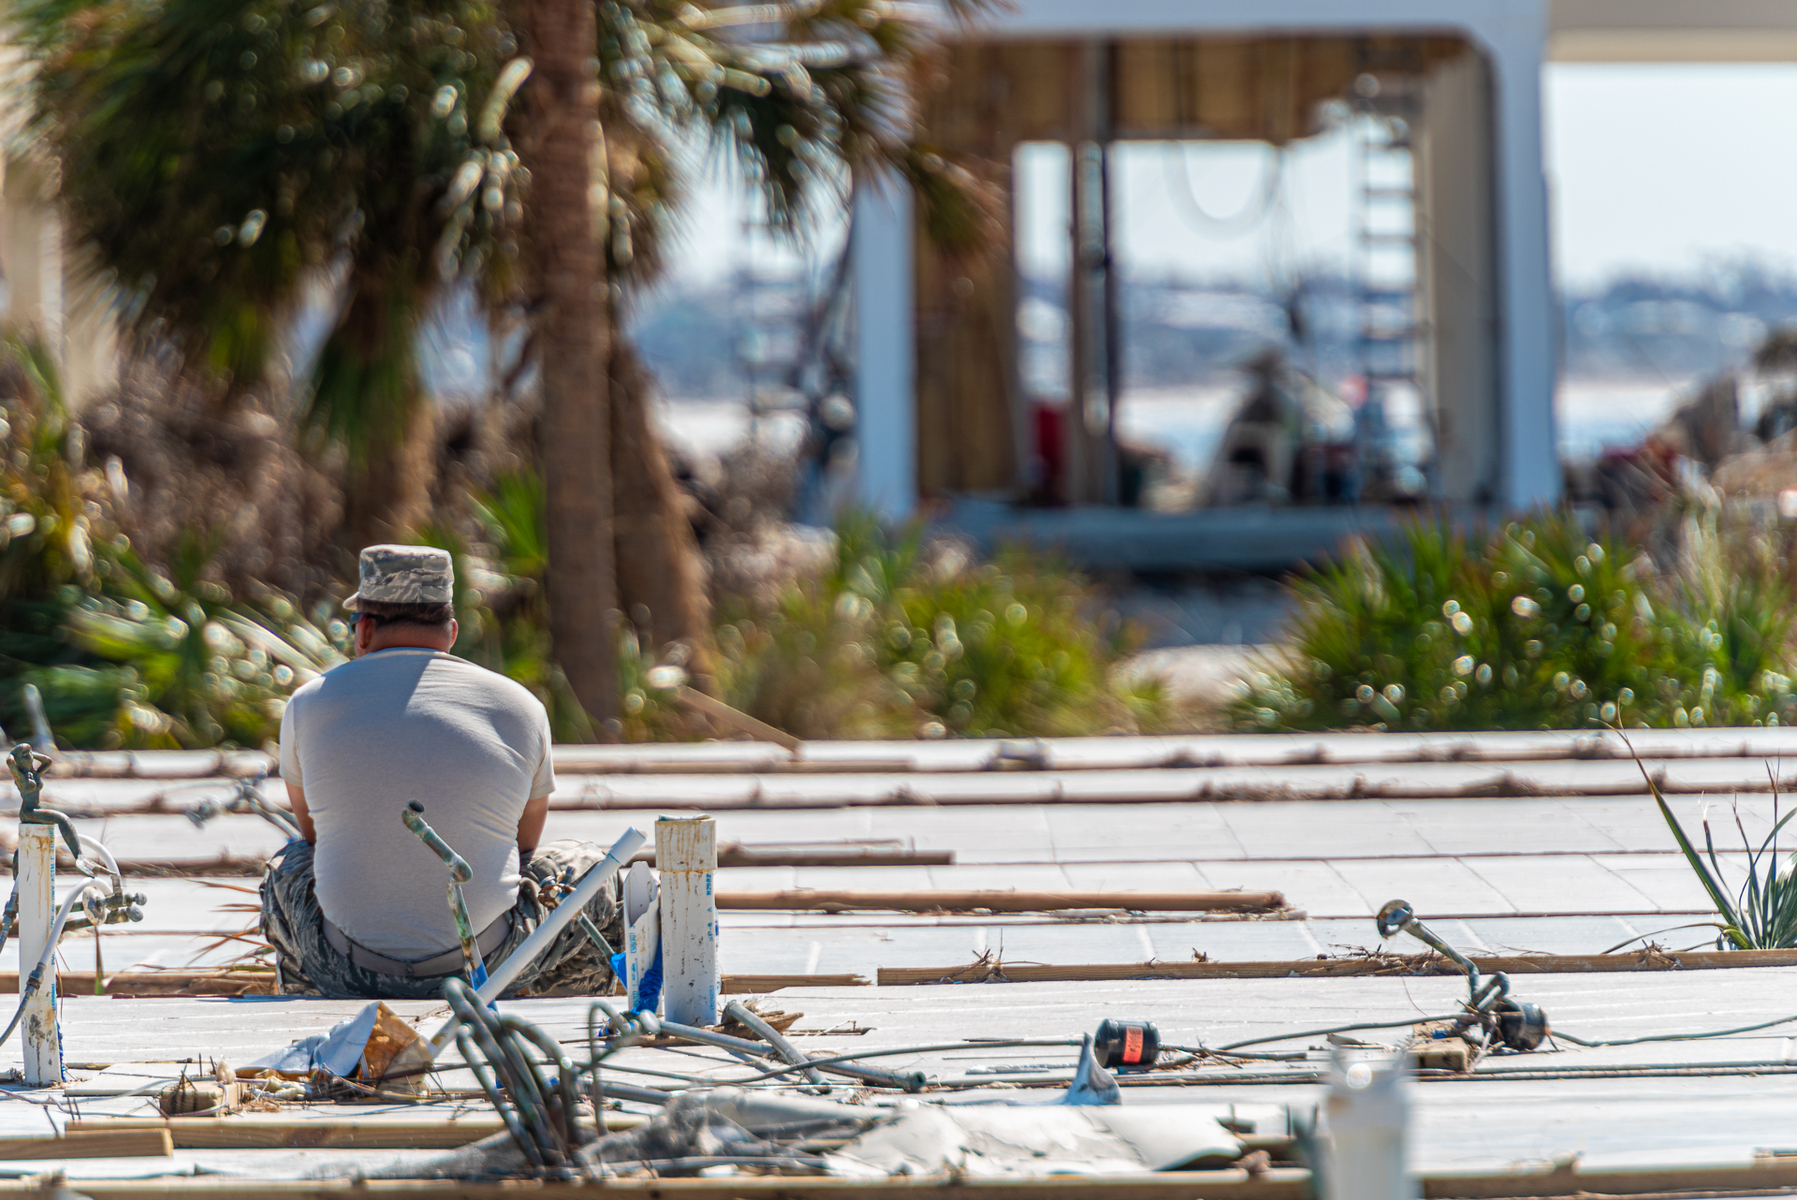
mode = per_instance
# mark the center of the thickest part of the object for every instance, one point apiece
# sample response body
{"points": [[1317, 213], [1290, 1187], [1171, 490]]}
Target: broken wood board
{"points": [[1323, 968], [1161, 785], [234, 984], [1278, 1183], [1198, 750], [950, 900], [746, 985], [319, 1130], [1027, 754], [121, 1143], [849, 854], [156, 983]]}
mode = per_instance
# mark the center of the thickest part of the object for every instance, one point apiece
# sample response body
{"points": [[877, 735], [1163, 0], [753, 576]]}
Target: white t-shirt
{"points": [[372, 735]]}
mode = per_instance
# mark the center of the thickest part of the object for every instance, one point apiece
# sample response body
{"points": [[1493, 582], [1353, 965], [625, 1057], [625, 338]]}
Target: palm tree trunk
{"points": [[558, 149], [387, 496], [369, 399], [661, 576]]}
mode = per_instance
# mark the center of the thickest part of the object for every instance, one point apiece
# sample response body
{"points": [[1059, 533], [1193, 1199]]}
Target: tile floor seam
{"points": [[1579, 817], [1605, 867], [1405, 819], [1502, 895]]}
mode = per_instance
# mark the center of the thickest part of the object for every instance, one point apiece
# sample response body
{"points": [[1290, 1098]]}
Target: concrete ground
{"points": [[1561, 874], [1573, 860]]}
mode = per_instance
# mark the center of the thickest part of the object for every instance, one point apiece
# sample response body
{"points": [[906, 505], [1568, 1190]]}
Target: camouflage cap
{"points": [[404, 575]]}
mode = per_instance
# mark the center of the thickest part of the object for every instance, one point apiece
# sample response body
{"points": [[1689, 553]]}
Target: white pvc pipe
{"points": [[36, 883], [686, 857], [557, 919], [99, 848], [63, 912], [1366, 1119]]}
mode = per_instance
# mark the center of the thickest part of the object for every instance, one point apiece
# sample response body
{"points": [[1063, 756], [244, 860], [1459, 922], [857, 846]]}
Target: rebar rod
{"points": [[459, 873]]}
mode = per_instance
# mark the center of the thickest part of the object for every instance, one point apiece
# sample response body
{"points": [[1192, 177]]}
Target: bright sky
{"points": [[1651, 168], [1664, 166]]}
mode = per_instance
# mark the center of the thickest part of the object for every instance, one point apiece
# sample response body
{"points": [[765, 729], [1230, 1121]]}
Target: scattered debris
{"points": [[988, 1140]]}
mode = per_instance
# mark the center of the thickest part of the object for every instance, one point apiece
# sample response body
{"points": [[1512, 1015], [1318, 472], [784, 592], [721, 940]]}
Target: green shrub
{"points": [[182, 663], [124, 654], [891, 642], [1536, 626]]}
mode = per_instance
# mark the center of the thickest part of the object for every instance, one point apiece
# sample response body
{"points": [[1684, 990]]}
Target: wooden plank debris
{"points": [[847, 854], [995, 971], [157, 983], [757, 985], [1028, 754], [1204, 750], [948, 900], [246, 983], [1276, 1184], [261, 983], [1565, 1179], [717, 710], [256, 1131], [109, 1143]]}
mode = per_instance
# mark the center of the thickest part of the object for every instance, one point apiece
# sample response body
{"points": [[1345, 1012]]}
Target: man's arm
{"points": [[296, 796], [530, 826]]}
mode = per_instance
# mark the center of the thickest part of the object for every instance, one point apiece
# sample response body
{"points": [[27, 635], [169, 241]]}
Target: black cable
{"points": [[1672, 1037], [849, 1058], [1286, 1037], [1207, 1052]]}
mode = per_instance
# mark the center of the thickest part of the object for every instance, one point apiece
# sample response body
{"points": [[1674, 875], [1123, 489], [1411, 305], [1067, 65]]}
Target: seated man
{"points": [[359, 910]]}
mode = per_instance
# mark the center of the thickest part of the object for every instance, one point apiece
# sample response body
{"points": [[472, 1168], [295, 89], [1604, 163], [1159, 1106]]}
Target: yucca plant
{"points": [[1762, 914]]}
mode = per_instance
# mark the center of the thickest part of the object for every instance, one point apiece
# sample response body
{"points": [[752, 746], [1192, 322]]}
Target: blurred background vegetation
{"points": [[141, 631], [1538, 626], [865, 634]]}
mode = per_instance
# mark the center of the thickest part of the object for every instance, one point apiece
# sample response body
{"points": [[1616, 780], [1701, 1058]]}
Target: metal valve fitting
{"points": [[1518, 1024]]}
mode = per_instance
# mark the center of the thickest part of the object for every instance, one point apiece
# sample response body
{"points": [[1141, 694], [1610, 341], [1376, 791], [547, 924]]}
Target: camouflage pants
{"points": [[307, 965]]}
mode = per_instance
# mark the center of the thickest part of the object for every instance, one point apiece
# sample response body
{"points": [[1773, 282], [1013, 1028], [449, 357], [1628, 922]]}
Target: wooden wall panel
{"points": [[966, 372]]}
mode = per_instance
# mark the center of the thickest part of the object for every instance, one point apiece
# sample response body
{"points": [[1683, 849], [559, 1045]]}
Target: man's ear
{"points": [[455, 630], [364, 636]]}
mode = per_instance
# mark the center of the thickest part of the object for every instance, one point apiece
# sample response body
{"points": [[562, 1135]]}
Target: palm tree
{"points": [[803, 98], [218, 157]]}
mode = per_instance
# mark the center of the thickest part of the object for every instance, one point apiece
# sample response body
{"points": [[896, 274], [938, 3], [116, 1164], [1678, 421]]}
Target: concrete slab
{"points": [[1501, 826], [1555, 935], [1566, 884], [1433, 886], [1667, 880], [1138, 877], [1316, 888], [1314, 829]]}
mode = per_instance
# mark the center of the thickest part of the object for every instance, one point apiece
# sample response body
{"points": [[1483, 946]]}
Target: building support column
{"points": [[884, 262], [1529, 454], [1091, 444], [1457, 278]]}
